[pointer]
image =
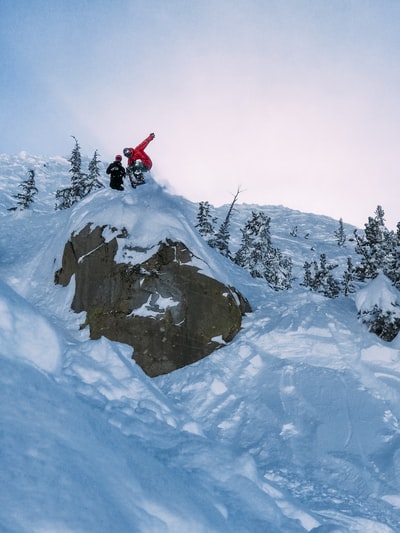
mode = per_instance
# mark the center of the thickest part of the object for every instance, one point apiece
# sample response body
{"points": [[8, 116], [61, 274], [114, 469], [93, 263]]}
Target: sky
{"points": [[293, 427], [294, 102]]}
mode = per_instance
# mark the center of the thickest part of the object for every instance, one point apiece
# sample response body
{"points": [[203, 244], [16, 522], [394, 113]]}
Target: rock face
{"points": [[170, 313]]}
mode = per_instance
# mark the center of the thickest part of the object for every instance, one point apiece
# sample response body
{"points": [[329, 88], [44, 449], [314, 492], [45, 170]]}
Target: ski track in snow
{"points": [[293, 425]]}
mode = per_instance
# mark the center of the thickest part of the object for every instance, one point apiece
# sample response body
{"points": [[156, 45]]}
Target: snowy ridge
{"points": [[292, 427]]}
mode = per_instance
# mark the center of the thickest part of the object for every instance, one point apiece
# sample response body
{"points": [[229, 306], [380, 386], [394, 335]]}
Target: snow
{"points": [[380, 292], [154, 308], [292, 427], [17, 317]]}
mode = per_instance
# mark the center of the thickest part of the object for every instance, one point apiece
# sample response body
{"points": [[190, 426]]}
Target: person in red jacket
{"points": [[138, 161]]}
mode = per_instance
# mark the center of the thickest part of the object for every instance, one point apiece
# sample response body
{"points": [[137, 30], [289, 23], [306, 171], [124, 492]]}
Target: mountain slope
{"points": [[291, 427]]}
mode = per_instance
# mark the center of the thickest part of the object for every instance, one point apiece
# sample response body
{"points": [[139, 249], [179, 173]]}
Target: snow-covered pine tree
{"points": [[81, 184], [319, 278], [65, 198], [68, 196], [221, 239], [340, 234], [205, 221], [375, 247], [255, 245], [378, 305], [278, 270], [257, 255], [348, 278], [78, 178], [393, 262], [385, 324], [329, 286], [92, 181], [308, 279], [29, 191]]}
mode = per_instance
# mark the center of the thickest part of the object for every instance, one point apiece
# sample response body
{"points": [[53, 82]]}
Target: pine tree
{"points": [[78, 178], [92, 181], [29, 191], [385, 324], [278, 270], [65, 198], [329, 286], [318, 277], [393, 261], [308, 279], [81, 184], [380, 254], [348, 278], [375, 247], [257, 255], [221, 239], [255, 245], [205, 222], [68, 196], [340, 234]]}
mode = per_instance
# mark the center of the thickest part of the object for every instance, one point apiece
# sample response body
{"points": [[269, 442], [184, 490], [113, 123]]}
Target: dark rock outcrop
{"points": [[169, 312]]}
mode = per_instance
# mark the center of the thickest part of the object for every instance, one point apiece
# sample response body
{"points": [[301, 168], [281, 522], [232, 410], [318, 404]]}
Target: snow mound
{"points": [[26, 334], [379, 292]]}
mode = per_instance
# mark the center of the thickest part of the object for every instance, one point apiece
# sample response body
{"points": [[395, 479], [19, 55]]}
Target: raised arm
{"points": [[144, 143]]}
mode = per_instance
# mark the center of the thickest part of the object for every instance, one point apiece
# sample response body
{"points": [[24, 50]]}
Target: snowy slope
{"points": [[294, 426]]}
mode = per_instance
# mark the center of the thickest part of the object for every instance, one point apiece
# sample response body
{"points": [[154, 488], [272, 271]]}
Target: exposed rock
{"points": [[169, 312]]}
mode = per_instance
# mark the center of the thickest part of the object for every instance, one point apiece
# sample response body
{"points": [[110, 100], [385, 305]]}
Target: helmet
{"points": [[127, 152], [118, 157]]}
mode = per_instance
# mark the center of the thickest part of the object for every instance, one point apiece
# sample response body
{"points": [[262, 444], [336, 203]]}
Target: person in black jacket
{"points": [[117, 173]]}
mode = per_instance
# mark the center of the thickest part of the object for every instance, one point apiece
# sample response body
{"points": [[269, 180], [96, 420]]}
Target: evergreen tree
{"points": [[340, 234], [308, 279], [78, 178], [65, 198], [278, 270], [81, 184], [376, 247], [318, 277], [205, 222], [385, 324], [29, 191], [257, 255], [393, 262], [348, 278], [221, 239], [255, 246], [391, 258], [92, 181], [68, 196], [380, 254]]}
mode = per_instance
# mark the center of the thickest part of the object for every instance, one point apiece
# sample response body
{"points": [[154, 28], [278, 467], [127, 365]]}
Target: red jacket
{"points": [[139, 153]]}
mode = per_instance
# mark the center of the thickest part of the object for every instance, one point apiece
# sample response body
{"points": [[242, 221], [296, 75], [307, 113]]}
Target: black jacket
{"points": [[116, 170]]}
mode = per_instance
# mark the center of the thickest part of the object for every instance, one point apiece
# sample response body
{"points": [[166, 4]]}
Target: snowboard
{"points": [[136, 178]]}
